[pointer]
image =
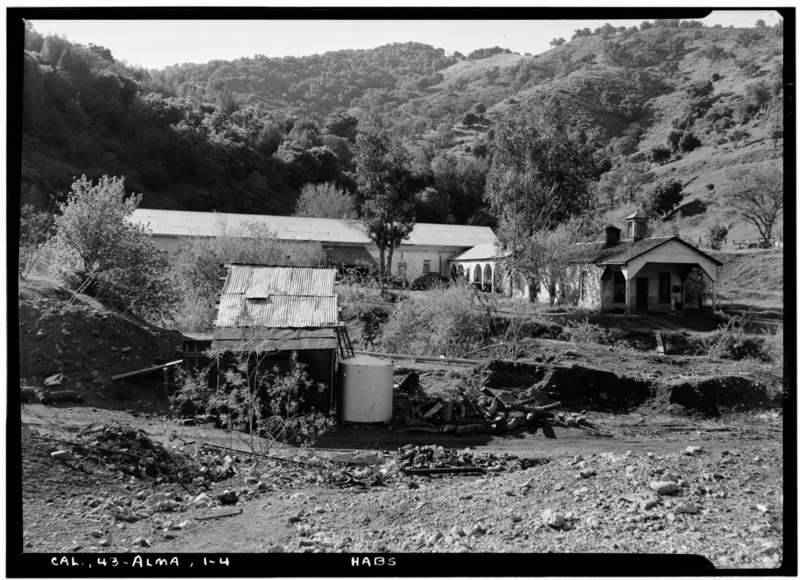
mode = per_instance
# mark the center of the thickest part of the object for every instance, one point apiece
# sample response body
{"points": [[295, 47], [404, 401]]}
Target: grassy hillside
{"points": [[246, 135]]}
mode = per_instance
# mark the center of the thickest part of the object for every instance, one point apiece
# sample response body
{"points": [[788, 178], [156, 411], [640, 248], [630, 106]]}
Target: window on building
{"points": [[664, 285], [619, 288], [426, 266]]}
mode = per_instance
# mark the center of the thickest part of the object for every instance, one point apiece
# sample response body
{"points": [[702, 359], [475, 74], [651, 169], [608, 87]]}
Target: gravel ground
{"points": [[721, 496]]}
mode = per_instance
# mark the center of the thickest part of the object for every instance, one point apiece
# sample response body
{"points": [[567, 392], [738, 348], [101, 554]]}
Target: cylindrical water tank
{"points": [[366, 389]]}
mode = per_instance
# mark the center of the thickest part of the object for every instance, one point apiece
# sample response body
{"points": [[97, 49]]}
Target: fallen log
{"points": [[473, 428], [60, 397], [433, 410]]}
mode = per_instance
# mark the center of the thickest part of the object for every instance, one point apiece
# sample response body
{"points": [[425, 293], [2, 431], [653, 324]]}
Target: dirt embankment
{"points": [[579, 386], [80, 345]]}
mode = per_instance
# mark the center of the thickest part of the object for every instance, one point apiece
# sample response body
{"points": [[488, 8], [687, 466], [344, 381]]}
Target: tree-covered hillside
{"points": [[667, 100]]}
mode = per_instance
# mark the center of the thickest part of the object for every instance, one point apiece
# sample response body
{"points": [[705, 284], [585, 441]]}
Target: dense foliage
{"points": [[96, 248], [248, 135]]}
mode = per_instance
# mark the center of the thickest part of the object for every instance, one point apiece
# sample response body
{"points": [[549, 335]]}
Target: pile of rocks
{"points": [[133, 452], [435, 457]]}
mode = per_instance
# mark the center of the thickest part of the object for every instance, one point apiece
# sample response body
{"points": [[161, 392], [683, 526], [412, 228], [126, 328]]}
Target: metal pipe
{"points": [[464, 361]]}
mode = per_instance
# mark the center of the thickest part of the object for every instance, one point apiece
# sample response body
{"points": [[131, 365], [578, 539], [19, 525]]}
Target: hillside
{"points": [[246, 135]]}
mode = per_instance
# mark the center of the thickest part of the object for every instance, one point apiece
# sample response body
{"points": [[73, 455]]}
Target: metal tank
{"points": [[366, 389]]}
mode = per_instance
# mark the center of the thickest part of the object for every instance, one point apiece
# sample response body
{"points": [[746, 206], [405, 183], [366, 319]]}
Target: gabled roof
{"points": [[292, 228], [482, 252], [625, 251]]}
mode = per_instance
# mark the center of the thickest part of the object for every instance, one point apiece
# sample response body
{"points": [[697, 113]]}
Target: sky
{"points": [[155, 44]]}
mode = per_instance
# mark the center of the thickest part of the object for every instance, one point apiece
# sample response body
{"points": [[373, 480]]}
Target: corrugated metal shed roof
{"points": [[291, 228], [264, 281], [277, 311], [277, 297]]}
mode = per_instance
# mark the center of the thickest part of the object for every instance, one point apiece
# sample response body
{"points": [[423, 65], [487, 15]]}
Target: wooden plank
{"points": [[660, 344], [443, 470], [147, 370]]}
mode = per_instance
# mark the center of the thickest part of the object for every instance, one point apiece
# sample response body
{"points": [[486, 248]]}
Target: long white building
{"points": [[429, 247]]}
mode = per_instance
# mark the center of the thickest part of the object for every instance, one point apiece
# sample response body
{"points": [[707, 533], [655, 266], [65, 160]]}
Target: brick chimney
{"points": [[612, 235]]}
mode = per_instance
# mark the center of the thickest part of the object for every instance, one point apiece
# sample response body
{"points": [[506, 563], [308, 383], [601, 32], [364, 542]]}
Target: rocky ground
{"points": [[686, 458], [656, 485]]}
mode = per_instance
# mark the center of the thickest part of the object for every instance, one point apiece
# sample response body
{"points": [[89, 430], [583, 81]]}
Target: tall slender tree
{"points": [[385, 186]]}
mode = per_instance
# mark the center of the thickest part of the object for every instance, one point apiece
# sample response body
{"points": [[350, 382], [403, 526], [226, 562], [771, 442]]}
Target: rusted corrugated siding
{"points": [[238, 280], [278, 297], [266, 282], [277, 311]]}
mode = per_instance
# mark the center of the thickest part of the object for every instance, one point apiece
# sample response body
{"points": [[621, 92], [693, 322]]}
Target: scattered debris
{"points": [[54, 380], [223, 515], [493, 411], [553, 519], [664, 487], [61, 455]]}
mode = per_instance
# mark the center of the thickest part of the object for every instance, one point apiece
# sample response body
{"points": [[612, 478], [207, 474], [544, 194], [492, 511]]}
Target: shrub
{"points": [[663, 197], [733, 343], [586, 333], [688, 142], [266, 404], [470, 119], [443, 321], [717, 235], [774, 347], [659, 155], [35, 229], [98, 250]]}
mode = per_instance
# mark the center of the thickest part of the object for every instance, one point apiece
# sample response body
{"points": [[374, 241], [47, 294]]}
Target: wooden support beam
{"points": [[147, 370], [660, 344]]}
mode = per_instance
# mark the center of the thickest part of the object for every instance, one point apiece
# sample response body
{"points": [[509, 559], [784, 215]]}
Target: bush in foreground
{"points": [[442, 321], [95, 248]]}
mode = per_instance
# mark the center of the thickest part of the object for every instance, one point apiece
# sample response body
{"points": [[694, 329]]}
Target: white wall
{"points": [[674, 252], [414, 257]]}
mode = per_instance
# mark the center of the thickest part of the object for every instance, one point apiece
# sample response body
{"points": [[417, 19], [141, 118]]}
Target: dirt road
{"points": [[589, 494]]}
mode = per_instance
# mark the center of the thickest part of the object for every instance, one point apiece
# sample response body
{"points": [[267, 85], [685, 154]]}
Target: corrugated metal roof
{"points": [[292, 228], [261, 282], [277, 311], [277, 297]]}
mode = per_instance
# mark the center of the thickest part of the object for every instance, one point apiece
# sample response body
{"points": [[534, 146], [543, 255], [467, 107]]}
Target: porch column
{"points": [[493, 269], [713, 296], [683, 294], [628, 297]]}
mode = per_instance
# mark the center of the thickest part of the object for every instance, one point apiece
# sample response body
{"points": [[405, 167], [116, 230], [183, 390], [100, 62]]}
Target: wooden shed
{"points": [[274, 312]]}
